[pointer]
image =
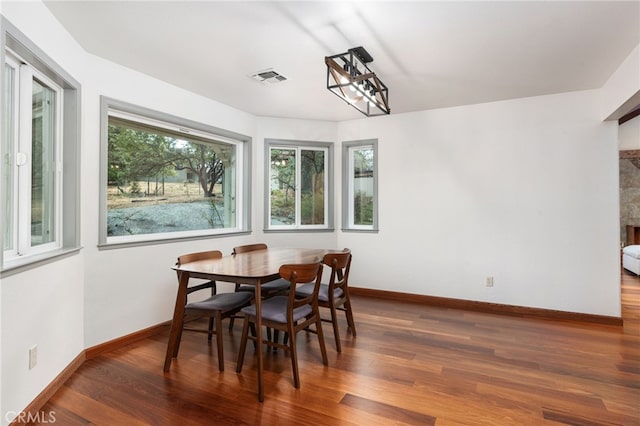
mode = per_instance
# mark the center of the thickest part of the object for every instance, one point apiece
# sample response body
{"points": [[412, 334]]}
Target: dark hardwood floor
{"points": [[410, 364]]}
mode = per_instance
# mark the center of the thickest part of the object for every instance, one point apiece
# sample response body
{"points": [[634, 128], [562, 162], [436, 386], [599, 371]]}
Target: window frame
{"points": [[16, 47], [299, 145], [347, 186], [243, 199]]}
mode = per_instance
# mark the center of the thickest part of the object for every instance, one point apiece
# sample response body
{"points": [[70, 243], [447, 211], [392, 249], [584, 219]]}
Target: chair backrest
{"points": [[340, 264], [202, 255], [299, 274], [249, 247], [194, 257]]}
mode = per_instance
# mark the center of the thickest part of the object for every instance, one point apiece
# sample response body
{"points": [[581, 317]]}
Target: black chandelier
{"points": [[349, 77]]}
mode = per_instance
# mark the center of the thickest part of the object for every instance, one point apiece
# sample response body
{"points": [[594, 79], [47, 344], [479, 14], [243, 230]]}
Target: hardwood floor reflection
{"points": [[410, 364]]}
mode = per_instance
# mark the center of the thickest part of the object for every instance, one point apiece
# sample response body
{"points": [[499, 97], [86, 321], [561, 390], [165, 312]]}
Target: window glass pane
{"points": [[362, 162], [8, 166], [160, 181], [43, 164], [283, 186], [312, 187]]}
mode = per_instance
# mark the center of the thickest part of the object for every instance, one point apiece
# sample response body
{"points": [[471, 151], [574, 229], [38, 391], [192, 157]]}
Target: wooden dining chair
{"points": [[217, 307], [334, 295], [288, 314], [267, 290]]}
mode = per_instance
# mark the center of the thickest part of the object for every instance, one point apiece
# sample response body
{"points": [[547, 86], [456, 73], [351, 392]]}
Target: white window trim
{"points": [[15, 66], [27, 75], [327, 147], [347, 185], [14, 42], [116, 108]]}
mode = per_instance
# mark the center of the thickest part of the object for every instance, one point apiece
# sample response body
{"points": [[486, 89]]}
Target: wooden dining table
{"points": [[253, 268]]}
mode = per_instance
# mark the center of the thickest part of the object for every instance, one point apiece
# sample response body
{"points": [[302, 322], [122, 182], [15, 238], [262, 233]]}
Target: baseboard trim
{"points": [[119, 342], [31, 411], [487, 307], [36, 405]]}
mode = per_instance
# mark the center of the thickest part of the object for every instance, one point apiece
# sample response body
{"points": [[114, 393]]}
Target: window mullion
{"points": [[350, 184], [9, 150], [24, 160], [298, 187]]}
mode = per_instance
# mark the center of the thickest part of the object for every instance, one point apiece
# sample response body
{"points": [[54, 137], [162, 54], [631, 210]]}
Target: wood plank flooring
{"points": [[409, 364]]}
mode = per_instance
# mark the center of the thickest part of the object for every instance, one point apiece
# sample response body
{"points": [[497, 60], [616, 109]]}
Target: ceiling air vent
{"points": [[268, 76]]}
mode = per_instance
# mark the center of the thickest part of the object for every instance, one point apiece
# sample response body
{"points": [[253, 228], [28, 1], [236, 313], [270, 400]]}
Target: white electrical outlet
{"points": [[33, 356], [489, 281]]}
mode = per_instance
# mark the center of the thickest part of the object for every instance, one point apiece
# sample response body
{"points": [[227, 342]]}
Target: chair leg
{"points": [[294, 357], [243, 343], [252, 326], [320, 334], [210, 334], [177, 348], [219, 343], [231, 322], [349, 313], [336, 332]]}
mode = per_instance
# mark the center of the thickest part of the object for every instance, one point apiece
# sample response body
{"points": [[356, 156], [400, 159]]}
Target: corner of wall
{"points": [[621, 93]]}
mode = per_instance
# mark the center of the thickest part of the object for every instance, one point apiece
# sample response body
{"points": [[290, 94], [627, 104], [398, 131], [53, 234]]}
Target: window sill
{"points": [[26, 263], [152, 241], [297, 230], [365, 231]]}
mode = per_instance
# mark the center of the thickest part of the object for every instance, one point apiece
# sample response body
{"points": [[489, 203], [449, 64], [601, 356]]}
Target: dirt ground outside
{"points": [[167, 193]]}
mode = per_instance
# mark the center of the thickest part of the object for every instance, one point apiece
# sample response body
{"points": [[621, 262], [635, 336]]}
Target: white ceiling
{"points": [[431, 54]]}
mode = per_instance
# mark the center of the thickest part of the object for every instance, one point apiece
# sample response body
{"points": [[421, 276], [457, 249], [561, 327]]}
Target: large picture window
{"points": [[360, 186], [299, 185], [166, 177], [40, 155]]}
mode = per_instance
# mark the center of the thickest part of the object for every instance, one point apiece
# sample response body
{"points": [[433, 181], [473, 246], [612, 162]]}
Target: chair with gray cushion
{"points": [[216, 307], [334, 295], [288, 314], [269, 289]]}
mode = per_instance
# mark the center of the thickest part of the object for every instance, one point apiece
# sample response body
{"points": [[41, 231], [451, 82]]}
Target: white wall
{"points": [[621, 93], [522, 190]]}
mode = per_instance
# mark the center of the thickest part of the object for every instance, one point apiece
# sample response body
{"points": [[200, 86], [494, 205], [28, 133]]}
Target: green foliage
{"points": [[283, 206], [139, 155], [363, 209]]}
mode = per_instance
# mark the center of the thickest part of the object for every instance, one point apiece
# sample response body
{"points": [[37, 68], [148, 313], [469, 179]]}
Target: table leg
{"points": [[258, 302], [178, 318]]}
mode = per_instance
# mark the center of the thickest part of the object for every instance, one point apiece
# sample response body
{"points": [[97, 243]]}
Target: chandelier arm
{"points": [[334, 66], [382, 92], [337, 80]]}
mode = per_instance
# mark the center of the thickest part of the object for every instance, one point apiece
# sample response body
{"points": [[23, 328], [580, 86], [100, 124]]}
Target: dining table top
{"points": [[261, 265]]}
